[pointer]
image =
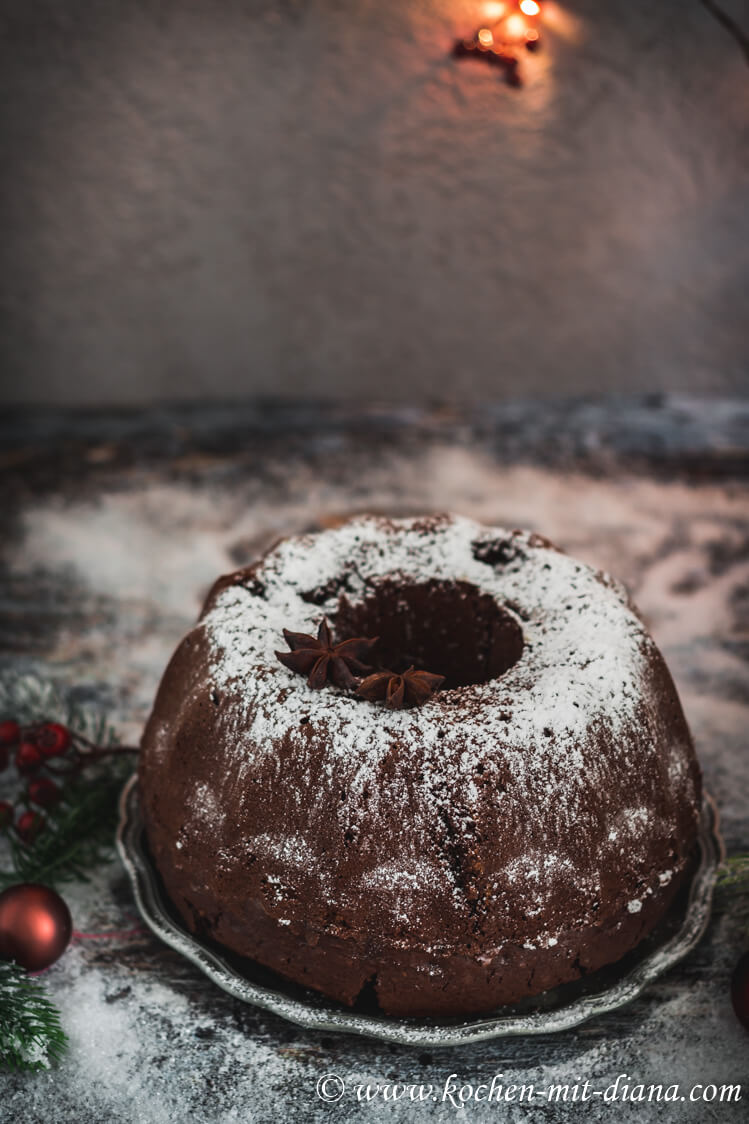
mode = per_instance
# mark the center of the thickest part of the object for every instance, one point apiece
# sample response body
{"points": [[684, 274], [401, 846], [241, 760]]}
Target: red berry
{"points": [[52, 739], [28, 826], [28, 758], [740, 990], [44, 792], [9, 732], [6, 814]]}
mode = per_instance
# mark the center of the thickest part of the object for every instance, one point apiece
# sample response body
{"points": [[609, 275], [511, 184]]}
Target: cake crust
{"points": [[529, 823]]}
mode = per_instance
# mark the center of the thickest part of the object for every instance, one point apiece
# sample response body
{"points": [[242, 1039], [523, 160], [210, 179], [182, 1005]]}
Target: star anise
{"points": [[320, 659], [410, 688]]}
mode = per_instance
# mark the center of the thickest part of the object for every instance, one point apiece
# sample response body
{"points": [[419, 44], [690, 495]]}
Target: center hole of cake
{"points": [[449, 628]]}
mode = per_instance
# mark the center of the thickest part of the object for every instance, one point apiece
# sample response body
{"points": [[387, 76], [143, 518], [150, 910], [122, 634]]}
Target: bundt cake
{"points": [[498, 796]]}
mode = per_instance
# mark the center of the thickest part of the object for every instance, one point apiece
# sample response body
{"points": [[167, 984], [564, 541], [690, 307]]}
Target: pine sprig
{"points": [[31, 1037], [734, 875], [78, 834]]}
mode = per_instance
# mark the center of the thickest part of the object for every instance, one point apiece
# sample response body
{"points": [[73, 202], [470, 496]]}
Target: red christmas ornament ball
{"points": [[35, 926], [740, 990]]}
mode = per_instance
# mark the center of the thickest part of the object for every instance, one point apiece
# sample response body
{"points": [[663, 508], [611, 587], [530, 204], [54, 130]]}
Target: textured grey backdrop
{"points": [[307, 196]]}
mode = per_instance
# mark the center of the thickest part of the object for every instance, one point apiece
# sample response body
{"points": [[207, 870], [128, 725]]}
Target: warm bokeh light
{"points": [[511, 30], [515, 27]]}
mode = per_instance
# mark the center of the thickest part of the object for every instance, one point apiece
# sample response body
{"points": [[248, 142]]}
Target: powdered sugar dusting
{"points": [[567, 611], [521, 749]]}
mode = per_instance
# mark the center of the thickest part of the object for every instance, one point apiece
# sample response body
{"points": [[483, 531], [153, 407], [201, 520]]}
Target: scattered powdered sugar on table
{"points": [[126, 1058]]}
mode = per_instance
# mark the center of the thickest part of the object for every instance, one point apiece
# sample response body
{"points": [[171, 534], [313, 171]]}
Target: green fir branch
{"points": [[734, 874], [31, 1037], [78, 834]]}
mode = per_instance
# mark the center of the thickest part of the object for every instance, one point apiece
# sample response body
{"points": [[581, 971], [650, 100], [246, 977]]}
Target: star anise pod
{"points": [[320, 659], [411, 688]]}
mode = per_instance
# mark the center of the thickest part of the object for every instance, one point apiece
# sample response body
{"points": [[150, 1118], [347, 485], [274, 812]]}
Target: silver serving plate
{"points": [[555, 1010]]}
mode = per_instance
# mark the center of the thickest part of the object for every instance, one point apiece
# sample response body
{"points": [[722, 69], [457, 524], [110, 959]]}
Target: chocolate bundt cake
{"points": [[526, 823]]}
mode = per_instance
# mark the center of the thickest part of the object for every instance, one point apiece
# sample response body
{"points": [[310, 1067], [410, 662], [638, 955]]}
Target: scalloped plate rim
{"points": [[419, 1032]]}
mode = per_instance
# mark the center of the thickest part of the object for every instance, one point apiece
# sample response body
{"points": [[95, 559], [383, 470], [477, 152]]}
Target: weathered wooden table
{"points": [[115, 525]]}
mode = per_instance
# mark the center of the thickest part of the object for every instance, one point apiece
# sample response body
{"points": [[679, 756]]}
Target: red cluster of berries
{"points": [[32, 748]]}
